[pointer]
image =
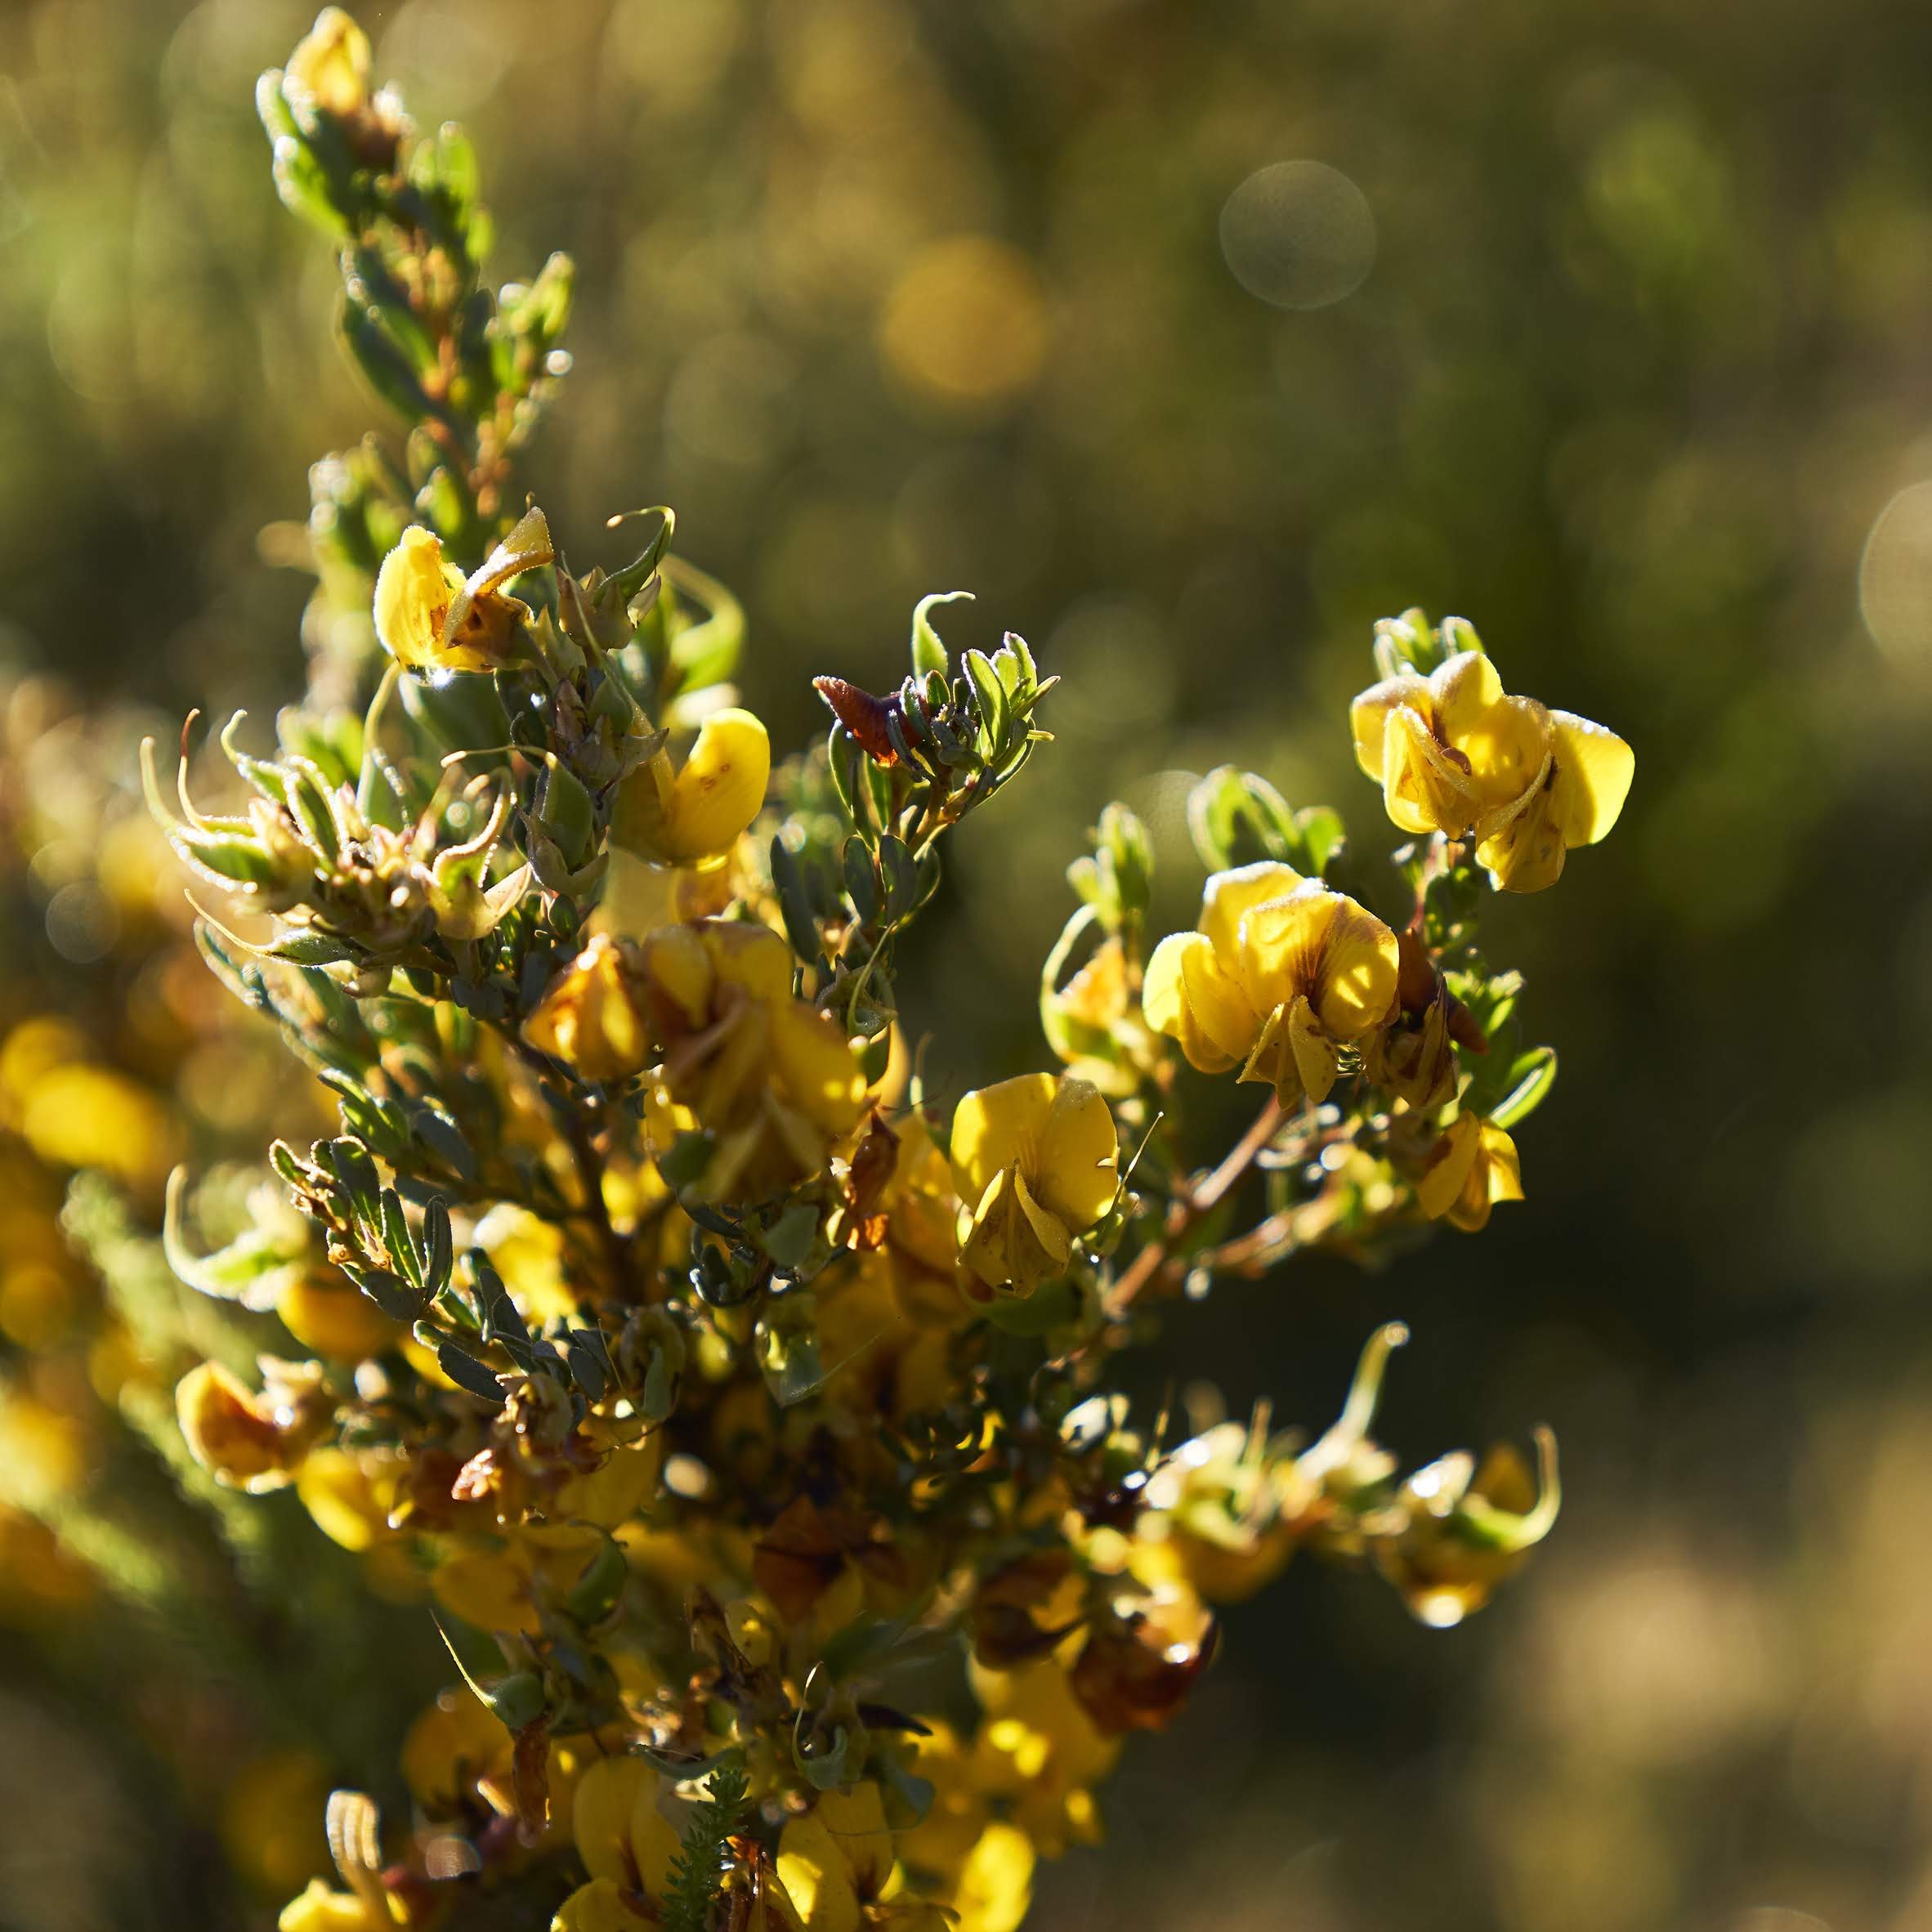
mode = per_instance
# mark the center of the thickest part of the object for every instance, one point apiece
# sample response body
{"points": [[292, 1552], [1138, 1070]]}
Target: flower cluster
{"points": [[741, 1410]]}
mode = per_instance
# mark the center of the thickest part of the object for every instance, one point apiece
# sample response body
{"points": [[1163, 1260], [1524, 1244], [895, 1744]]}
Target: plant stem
{"points": [[1155, 1259]]}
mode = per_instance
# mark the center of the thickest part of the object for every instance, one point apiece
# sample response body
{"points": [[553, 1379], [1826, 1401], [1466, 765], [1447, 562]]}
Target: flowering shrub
{"points": [[740, 1404]]}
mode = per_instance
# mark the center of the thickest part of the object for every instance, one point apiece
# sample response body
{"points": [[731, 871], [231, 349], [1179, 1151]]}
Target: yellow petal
{"points": [[676, 962], [1075, 1169], [1462, 692], [320, 1909], [698, 815], [331, 1318], [1525, 852], [996, 1885], [1283, 943], [413, 591], [589, 1016], [1356, 979], [1368, 716], [1424, 789], [1508, 750], [1188, 996], [816, 1877], [856, 1819], [1314, 1053], [814, 1067], [601, 1811], [721, 789], [655, 1843], [1451, 1162], [597, 1908], [749, 955], [1594, 770], [1230, 896], [1012, 1241], [1494, 1175], [996, 1127]]}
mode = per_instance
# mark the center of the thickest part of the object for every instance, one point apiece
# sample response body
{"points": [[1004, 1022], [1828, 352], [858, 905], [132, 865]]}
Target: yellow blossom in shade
{"points": [[350, 1496], [590, 1017], [321, 1908], [334, 1318], [453, 1740], [1470, 1169], [1038, 1748], [693, 815], [272, 1817], [530, 1253], [1281, 974], [432, 618], [597, 1907], [836, 1859], [996, 1885], [621, 1834], [1036, 1161], [1455, 754], [619, 1485]]}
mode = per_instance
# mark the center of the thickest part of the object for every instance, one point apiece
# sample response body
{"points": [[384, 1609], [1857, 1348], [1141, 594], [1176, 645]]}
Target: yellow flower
{"points": [[836, 1859], [590, 1017], [431, 619], [1036, 1160], [996, 1886], [334, 1319], [694, 816], [249, 1441], [771, 1077], [1575, 800], [1040, 1750], [1470, 1169], [1454, 754], [1281, 974], [321, 1908], [621, 1835], [271, 1816], [597, 1907], [450, 1742]]}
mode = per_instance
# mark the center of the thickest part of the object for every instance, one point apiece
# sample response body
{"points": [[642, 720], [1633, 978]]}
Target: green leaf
{"points": [[992, 703], [1530, 1080], [789, 1239], [928, 651], [468, 1373]]}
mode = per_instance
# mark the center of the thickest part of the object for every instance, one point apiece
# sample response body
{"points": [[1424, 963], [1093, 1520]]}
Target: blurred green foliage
{"points": [[889, 293]]}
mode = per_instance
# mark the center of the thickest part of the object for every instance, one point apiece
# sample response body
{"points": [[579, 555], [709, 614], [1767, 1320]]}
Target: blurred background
{"points": [[1192, 339]]}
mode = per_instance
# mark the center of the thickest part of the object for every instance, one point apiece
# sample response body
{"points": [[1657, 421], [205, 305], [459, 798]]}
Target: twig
{"points": [[1201, 1198]]}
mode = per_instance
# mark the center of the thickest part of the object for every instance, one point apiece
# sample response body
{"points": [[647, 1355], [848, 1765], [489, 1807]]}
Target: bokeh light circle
{"points": [[1895, 577], [1299, 234]]}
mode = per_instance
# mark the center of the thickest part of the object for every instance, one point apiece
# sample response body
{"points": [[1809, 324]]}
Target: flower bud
{"points": [[1465, 1529]]}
